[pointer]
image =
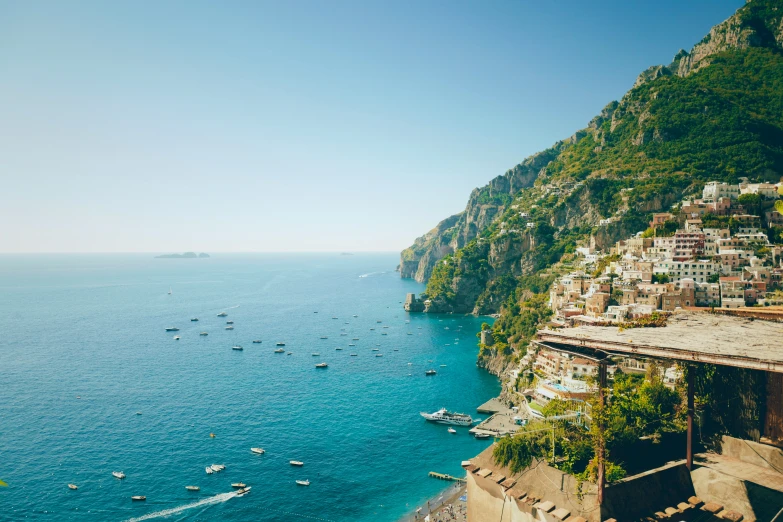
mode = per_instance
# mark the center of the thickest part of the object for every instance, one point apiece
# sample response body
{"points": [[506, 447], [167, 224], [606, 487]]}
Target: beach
{"points": [[450, 505]]}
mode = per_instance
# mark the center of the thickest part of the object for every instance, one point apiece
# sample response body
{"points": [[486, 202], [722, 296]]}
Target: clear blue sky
{"points": [[295, 126]]}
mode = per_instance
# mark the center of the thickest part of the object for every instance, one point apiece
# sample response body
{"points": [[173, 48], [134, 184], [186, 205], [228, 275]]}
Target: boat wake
{"points": [[232, 307], [371, 274], [173, 511]]}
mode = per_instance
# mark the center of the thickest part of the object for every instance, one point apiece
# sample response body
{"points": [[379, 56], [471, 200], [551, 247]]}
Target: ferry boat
{"points": [[259, 451], [443, 416], [222, 314], [192, 488], [172, 329], [118, 474]]}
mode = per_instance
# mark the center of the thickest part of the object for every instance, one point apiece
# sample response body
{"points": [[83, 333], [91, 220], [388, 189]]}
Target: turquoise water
{"points": [[93, 326]]}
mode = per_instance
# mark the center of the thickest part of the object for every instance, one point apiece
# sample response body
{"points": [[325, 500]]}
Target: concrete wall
{"points": [[646, 493]]}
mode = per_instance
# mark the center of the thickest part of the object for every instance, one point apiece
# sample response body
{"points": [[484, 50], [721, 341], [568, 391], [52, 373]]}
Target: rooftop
{"points": [[689, 336]]}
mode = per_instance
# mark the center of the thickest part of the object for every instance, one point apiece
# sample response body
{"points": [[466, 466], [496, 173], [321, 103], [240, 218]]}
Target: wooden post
{"points": [[602, 449], [689, 443]]}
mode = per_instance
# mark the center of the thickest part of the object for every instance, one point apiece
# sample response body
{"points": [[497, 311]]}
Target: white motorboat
{"points": [[321, 365], [257, 341], [222, 314], [430, 372], [279, 350], [279, 344], [482, 436], [203, 333], [379, 355], [73, 486], [303, 482], [217, 467], [192, 488], [209, 470], [354, 355], [139, 498], [118, 474], [338, 348], [259, 451], [243, 491], [296, 463], [237, 347], [239, 485], [444, 416], [176, 338], [229, 327], [172, 329]]}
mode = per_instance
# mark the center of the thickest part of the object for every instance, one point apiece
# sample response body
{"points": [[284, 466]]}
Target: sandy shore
{"points": [[446, 506]]}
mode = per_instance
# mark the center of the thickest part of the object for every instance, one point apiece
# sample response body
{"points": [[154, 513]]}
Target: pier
{"points": [[443, 476]]}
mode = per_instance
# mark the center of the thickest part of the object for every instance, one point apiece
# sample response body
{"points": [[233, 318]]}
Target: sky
{"points": [[252, 126]]}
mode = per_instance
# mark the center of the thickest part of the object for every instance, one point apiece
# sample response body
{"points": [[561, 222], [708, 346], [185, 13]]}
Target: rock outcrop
{"points": [[412, 304]]}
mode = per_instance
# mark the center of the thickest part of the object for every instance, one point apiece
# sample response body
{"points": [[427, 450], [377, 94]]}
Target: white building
{"points": [[715, 190]]}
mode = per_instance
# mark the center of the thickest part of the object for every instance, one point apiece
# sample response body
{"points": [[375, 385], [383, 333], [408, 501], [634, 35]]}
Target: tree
{"points": [[751, 202]]}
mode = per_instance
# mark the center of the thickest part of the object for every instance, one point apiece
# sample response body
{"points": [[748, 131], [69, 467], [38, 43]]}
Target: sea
{"points": [[91, 383]]}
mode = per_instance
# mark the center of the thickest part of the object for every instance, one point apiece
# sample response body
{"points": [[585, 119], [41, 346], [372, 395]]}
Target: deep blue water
{"points": [[92, 326]]}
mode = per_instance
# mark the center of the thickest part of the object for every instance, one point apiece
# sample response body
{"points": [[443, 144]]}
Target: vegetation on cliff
{"points": [[715, 113]]}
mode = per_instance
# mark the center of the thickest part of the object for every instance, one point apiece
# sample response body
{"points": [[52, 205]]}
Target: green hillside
{"points": [[715, 113]]}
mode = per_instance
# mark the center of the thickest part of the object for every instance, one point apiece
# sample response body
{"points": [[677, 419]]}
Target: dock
{"points": [[492, 406], [443, 476]]}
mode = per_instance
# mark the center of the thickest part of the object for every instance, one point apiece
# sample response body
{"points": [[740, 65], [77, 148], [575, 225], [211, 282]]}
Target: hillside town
{"points": [[711, 252]]}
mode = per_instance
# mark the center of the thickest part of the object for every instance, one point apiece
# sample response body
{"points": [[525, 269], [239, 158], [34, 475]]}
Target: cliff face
{"points": [[484, 206]]}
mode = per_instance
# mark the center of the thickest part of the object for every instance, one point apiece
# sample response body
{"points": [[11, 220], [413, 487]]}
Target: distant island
{"points": [[186, 255]]}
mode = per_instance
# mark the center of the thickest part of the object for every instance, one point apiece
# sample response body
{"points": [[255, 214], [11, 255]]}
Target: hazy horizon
{"points": [[295, 127]]}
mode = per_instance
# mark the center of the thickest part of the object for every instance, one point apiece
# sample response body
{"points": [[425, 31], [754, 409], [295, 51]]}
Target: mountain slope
{"points": [[715, 113]]}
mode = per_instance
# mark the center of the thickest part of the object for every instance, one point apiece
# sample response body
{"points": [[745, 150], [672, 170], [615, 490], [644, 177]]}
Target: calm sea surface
{"points": [[83, 348]]}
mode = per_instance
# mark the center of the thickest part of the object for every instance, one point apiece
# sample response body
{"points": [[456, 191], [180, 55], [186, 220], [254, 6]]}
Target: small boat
{"points": [[229, 327], [351, 345], [203, 333], [409, 333], [194, 319], [279, 344], [355, 315], [222, 314], [355, 339], [442, 365], [321, 365], [324, 337], [259, 451], [279, 350], [257, 341], [430, 372], [452, 430], [138, 413], [229, 322], [290, 353], [209, 470], [338, 348], [303, 482], [385, 326], [384, 333], [118, 474], [73, 486], [316, 355], [296, 463], [139, 498], [169, 290], [192, 488], [353, 355], [396, 350], [378, 321], [243, 491], [379, 355], [334, 318], [239, 485], [237, 347], [176, 337], [372, 329], [172, 329], [376, 349], [481, 436], [216, 468], [343, 334]]}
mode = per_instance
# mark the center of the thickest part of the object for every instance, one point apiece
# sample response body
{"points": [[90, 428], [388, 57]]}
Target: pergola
{"points": [[689, 338]]}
